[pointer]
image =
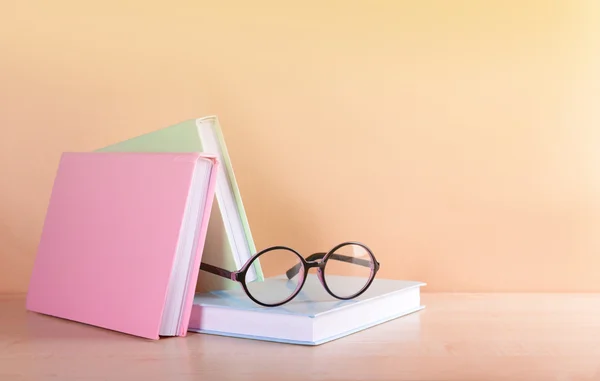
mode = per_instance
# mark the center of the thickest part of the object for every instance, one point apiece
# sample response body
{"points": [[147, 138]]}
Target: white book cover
{"points": [[313, 317]]}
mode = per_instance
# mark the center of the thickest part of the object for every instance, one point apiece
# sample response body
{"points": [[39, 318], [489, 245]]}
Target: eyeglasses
{"points": [[286, 271]]}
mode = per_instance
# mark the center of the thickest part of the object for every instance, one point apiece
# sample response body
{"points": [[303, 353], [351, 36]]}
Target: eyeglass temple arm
{"points": [[292, 272], [216, 270]]}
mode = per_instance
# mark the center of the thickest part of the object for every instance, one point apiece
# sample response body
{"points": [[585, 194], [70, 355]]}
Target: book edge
{"points": [[312, 343]]}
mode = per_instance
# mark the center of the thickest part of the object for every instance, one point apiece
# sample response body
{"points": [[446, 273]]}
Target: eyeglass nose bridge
{"points": [[312, 264]]}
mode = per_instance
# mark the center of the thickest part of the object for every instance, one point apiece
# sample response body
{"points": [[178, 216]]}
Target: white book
{"points": [[312, 318]]}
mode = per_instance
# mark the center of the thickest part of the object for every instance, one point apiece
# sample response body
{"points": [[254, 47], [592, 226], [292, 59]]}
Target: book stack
{"points": [[129, 226]]}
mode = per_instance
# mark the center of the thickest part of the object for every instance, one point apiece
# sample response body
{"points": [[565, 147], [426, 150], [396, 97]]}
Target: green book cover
{"points": [[187, 137]]}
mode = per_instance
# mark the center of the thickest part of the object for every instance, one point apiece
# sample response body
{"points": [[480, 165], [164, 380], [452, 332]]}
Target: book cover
{"points": [[313, 317], [109, 241]]}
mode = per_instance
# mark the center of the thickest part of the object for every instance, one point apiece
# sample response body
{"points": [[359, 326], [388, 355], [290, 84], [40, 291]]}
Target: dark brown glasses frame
{"points": [[316, 260]]}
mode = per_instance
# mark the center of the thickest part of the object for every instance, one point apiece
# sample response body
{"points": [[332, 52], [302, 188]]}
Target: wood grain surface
{"points": [[457, 337]]}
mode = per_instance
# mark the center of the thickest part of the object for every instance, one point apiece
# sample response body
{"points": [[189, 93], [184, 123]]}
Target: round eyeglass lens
{"points": [[348, 269], [282, 271]]}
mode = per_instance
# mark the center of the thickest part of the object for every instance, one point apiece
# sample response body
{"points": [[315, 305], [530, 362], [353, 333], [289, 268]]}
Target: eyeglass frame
{"points": [[316, 260]]}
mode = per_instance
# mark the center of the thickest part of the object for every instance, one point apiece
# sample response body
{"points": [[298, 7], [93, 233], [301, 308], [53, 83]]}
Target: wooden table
{"points": [[457, 337]]}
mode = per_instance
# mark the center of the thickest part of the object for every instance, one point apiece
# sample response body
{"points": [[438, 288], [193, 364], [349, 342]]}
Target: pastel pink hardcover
{"points": [[110, 236]]}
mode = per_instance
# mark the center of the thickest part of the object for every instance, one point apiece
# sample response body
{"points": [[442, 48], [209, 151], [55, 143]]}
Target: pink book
{"points": [[123, 239]]}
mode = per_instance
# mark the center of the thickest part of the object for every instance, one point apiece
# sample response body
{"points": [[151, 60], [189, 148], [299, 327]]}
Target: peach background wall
{"points": [[459, 139]]}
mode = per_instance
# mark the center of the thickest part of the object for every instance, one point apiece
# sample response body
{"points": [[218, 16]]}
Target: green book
{"points": [[229, 243]]}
